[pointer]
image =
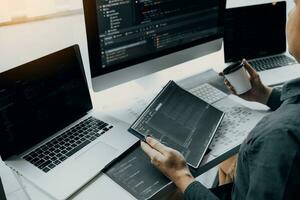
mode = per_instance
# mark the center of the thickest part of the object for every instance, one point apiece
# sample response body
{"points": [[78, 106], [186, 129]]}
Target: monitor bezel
{"points": [[93, 42]]}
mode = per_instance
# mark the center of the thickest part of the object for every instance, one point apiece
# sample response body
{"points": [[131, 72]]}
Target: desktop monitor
{"points": [[128, 39]]}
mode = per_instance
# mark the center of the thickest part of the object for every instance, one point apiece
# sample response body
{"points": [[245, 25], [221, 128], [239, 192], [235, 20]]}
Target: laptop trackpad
{"points": [[100, 152], [84, 166], [280, 75]]}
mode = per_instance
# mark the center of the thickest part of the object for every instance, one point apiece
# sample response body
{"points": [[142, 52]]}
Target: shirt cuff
{"points": [[274, 100], [197, 191]]}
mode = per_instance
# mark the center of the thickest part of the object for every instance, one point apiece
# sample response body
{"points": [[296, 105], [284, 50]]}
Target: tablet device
{"points": [[181, 121]]}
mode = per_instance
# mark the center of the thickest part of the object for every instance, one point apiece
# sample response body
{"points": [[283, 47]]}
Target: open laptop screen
{"points": [[39, 98], [254, 31]]}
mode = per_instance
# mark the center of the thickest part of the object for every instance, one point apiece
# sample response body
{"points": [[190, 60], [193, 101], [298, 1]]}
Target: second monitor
{"points": [[128, 39]]}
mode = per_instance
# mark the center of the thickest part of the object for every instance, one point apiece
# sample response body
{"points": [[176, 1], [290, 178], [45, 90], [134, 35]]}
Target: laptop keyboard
{"points": [[68, 143], [271, 62], [208, 93]]}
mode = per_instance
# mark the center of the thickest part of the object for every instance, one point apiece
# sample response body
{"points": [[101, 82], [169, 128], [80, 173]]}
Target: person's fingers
{"points": [[249, 69], [230, 87], [157, 145], [152, 153], [233, 90], [227, 83]]}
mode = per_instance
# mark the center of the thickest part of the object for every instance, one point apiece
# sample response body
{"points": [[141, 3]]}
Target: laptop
{"points": [[49, 132], [257, 33]]}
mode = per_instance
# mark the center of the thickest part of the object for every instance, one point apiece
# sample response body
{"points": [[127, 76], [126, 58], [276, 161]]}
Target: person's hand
{"points": [[169, 161], [259, 92]]}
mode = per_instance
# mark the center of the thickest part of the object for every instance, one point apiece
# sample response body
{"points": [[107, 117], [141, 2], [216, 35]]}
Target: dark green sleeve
{"points": [[196, 191], [274, 100], [270, 162]]}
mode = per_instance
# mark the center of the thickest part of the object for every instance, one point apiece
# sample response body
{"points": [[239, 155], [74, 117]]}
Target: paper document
{"points": [[130, 110], [235, 127]]}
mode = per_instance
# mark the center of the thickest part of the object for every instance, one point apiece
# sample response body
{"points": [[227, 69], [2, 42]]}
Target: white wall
{"points": [[24, 42], [10, 9]]}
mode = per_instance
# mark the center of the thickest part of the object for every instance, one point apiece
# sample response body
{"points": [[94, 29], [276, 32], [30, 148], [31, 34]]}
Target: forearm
{"points": [[265, 95], [183, 180], [191, 188]]}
